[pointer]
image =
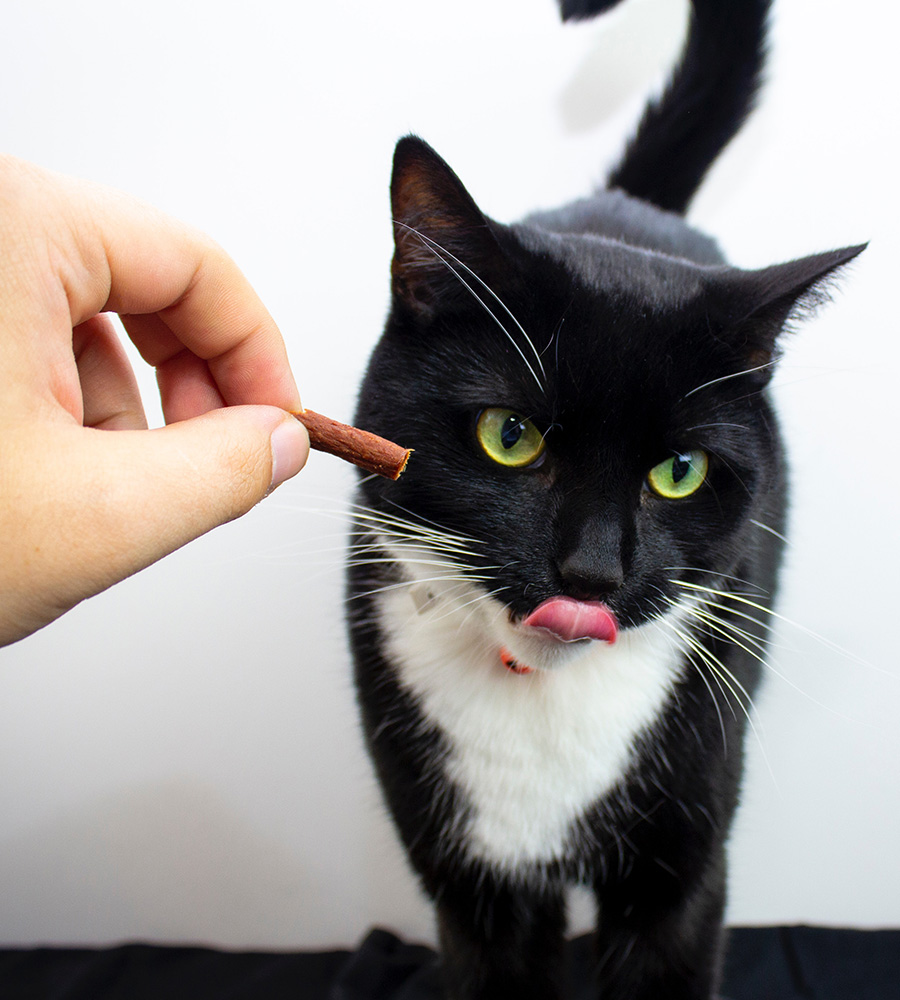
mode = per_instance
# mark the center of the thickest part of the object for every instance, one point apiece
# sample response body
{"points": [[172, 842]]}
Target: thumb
{"points": [[101, 505], [163, 488], [179, 481]]}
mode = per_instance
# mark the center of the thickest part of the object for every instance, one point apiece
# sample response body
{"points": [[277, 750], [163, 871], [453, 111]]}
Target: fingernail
{"points": [[290, 447]]}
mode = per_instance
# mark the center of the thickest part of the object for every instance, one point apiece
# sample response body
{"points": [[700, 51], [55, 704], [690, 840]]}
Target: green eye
{"points": [[680, 475], [508, 438]]}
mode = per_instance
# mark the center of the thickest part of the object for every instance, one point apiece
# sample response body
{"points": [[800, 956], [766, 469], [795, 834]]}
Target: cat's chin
{"points": [[539, 649], [558, 632], [531, 652]]}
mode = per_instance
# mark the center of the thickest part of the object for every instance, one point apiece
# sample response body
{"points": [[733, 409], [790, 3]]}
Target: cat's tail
{"points": [[712, 90]]}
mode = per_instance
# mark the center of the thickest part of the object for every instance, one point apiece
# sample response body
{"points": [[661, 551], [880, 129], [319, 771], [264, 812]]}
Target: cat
{"points": [[558, 614]]}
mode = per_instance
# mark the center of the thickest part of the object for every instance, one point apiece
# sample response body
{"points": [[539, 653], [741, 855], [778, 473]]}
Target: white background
{"points": [[179, 757]]}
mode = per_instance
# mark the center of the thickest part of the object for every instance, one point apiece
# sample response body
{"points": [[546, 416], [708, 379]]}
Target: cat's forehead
{"points": [[613, 320], [644, 279]]}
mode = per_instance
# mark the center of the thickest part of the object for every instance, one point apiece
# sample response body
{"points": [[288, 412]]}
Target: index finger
{"points": [[218, 319], [175, 288]]}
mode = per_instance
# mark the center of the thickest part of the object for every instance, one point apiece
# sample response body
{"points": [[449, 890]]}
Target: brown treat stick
{"points": [[368, 451]]}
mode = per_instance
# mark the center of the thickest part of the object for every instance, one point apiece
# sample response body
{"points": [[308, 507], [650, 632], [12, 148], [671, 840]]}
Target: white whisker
{"points": [[748, 709], [702, 427], [472, 604], [725, 378], [787, 621], [438, 252], [392, 560], [731, 632], [764, 657], [689, 649], [771, 531], [386, 588], [716, 573]]}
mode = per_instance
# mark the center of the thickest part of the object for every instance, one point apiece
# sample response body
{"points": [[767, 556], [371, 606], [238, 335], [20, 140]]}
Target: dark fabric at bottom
{"points": [[766, 963], [813, 963]]}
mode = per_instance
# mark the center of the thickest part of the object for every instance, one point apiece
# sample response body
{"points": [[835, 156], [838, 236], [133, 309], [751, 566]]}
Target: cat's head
{"points": [[589, 416]]}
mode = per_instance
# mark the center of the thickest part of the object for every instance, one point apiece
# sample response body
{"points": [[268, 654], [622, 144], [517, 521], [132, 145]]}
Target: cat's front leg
{"points": [[501, 944], [650, 952]]}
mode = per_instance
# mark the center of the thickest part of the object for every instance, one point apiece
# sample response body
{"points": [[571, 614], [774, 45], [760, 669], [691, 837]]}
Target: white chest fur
{"points": [[530, 753]]}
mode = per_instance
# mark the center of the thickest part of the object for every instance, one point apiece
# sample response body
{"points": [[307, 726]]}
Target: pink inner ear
{"points": [[570, 620]]}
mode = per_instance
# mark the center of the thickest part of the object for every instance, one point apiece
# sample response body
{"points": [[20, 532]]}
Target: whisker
{"points": [[366, 514], [386, 588], [717, 668], [731, 469], [438, 251], [728, 678], [415, 562], [688, 649], [730, 610], [725, 378], [767, 661], [556, 347], [787, 621], [440, 529], [771, 531], [703, 427], [396, 528], [468, 604], [714, 572], [435, 598], [732, 636]]}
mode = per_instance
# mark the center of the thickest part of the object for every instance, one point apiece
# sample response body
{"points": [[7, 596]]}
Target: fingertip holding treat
{"points": [[290, 448]]}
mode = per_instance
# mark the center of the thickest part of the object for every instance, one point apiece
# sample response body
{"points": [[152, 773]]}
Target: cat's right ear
{"points": [[755, 307], [443, 244]]}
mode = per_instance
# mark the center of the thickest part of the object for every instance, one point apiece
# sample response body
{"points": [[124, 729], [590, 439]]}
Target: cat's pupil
{"points": [[511, 431], [680, 467]]}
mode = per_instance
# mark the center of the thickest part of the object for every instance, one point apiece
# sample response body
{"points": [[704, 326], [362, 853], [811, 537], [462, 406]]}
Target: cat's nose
{"points": [[587, 578], [592, 560]]}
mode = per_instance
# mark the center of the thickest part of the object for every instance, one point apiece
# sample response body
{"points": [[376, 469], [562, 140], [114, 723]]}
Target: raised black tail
{"points": [[710, 94]]}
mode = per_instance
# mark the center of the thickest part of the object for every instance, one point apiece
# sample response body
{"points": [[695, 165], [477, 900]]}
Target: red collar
{"points": [[512, 664]]}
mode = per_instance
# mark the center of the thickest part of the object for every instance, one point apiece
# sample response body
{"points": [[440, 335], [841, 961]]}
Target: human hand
{"points": [[88, 495]]}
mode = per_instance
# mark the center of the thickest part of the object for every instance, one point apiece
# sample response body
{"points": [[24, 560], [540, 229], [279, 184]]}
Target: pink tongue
{"points": [[569, 619]]}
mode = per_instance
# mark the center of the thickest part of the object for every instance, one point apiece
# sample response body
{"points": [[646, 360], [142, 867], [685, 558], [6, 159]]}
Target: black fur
{"points": [[709, 96], [575, 10], [650, 343]]}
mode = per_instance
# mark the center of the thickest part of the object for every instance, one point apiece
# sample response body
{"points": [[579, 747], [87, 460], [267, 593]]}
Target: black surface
{"points": [[766, 963]]}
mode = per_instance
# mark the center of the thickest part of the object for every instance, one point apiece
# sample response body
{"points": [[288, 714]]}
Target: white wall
{"points": [[179, 757]]}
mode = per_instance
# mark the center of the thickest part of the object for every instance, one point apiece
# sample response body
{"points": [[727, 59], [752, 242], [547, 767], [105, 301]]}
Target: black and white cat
{"points": [[558, 613]]}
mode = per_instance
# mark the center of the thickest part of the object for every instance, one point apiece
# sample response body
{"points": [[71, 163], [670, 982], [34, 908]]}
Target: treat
{"points": [[368, 451]]}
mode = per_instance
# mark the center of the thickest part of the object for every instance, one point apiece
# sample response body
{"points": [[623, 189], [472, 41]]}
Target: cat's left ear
{"points": [[442, 241], [755, 307]]}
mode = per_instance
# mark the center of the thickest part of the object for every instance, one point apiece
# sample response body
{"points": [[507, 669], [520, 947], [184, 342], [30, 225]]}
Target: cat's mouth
{"points": [[569, 620], [557, 631]]}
